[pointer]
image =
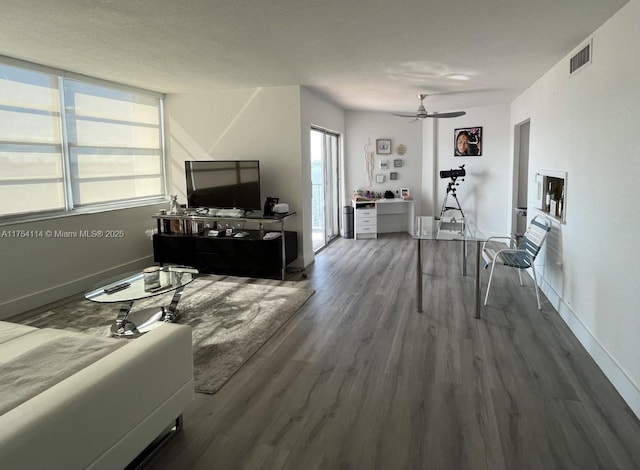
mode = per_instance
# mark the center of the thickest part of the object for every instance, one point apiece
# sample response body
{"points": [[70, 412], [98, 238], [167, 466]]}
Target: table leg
{"points": [[283, 272], [122, 324], [477, 280], [419, 275], [171, 314], [130, 324], [464, 257], [125, 308]]}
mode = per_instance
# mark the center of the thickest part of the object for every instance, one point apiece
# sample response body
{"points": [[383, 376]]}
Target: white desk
{"points": [[391, 215]]}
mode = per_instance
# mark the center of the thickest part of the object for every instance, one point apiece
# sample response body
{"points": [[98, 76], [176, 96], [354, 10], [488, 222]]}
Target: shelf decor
{"points": [[383, 146], [552, 194], [368, 161]]}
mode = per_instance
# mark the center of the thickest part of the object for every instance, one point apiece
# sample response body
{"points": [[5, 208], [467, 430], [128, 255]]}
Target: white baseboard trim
{"points": [[52, 294], [629, 391]]}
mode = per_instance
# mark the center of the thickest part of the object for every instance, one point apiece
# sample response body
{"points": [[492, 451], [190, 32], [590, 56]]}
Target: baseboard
{"points": [[629, 391], [298, 263], [54, 293]]}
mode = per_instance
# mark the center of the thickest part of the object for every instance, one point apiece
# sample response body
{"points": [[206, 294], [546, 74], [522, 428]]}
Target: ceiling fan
{"points": [[422, 113]]}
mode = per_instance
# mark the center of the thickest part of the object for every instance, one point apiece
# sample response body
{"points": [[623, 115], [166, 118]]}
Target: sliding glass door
{"points": [[324, 183]]}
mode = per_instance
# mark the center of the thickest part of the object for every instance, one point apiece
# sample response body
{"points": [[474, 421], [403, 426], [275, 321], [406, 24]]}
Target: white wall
{"points": [[586, 125], [262, 123], [363, 127], [485, 193], [316, 111], [41, 268], [250, 124]]}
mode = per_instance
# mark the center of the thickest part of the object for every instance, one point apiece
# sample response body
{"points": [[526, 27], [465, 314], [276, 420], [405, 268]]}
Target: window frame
{"points": [[70, 208]]}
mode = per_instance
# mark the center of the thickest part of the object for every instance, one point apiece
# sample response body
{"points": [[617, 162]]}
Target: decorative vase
{"points": [[174, 208]]}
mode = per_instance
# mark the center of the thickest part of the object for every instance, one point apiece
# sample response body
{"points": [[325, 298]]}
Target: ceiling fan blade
{"points": [[404, 115], [447, 115]]}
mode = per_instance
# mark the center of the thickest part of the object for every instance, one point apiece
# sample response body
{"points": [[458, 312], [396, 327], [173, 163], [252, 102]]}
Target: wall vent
{"points": [[581, 59]]}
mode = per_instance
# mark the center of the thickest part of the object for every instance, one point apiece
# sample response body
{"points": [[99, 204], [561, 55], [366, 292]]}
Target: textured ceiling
{"points": [[362, 54]]}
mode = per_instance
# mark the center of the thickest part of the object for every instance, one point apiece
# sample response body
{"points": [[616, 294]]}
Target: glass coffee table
{"points": [[150, 282]]}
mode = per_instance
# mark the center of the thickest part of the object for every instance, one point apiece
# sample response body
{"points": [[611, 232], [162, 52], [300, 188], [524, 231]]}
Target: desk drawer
{"points": [[366, 221], [365, 213], [366, 229]]}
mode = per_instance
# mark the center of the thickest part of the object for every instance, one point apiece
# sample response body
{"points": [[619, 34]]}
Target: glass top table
{"points": [[463, 229], [150, 282]]}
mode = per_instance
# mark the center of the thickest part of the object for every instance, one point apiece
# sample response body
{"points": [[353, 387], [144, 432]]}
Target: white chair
{"points": [[521, 254]]}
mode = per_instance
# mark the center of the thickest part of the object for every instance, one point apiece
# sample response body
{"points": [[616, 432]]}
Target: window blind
{"points": [[66, 143], [31, 160]]}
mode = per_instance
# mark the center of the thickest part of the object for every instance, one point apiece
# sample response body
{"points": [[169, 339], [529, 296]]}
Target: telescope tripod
{"points": [[451, 191]]}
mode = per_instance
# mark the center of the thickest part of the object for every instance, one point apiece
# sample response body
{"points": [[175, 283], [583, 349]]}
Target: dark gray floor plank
{"points": [[359, 380]]}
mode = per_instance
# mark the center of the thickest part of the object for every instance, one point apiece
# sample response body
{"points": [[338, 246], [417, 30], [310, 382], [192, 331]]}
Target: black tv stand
{"points": [[186, 239]]}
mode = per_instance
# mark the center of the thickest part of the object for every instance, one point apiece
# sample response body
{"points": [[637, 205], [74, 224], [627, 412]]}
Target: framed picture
{"points": [[379, 178], [393, 175], [404, 193], [467, 142], [384, 165], [383, 146], [397, 163]]}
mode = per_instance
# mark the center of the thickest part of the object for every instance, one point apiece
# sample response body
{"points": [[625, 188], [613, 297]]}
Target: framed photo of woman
{"points": [[467, 142]]}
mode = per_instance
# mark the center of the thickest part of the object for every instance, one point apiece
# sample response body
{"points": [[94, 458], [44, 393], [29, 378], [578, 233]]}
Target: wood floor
{"points": [[359, 380]]}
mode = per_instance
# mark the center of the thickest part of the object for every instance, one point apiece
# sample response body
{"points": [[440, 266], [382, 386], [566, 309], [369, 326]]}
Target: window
{"points": [[68, 143], [31, 164]]}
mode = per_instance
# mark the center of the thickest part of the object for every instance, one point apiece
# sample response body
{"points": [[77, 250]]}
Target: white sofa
{"points": [[101, 416]]}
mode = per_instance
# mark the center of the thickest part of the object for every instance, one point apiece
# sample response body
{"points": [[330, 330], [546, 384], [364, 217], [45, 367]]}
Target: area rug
{"points": [[231, 321]]}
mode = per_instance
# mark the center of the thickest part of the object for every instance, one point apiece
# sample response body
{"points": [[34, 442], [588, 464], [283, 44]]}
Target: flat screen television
{"points": [[223, 184]]}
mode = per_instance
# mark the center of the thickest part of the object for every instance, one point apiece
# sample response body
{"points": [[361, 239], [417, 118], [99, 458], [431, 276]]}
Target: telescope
{"points": [[451, 189], [459, 173]]}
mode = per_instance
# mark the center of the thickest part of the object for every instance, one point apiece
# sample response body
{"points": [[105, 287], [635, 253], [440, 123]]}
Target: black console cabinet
{"points": [[248, 256], [184, 239]]}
